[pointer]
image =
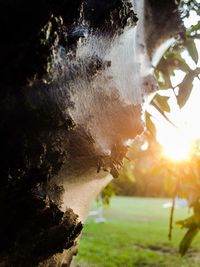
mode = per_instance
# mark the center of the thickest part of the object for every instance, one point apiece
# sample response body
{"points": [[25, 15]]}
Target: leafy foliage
{"points": [[184, 178], [173, 59]]}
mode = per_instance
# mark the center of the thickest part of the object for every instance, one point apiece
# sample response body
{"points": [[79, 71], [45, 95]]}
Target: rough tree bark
{"points": [[64, 117]]}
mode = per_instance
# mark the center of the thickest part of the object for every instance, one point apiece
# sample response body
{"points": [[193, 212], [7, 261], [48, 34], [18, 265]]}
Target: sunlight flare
{"points": [[176, 147], [177, 142]]}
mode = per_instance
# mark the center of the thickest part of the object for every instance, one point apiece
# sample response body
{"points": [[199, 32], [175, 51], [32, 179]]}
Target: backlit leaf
{"points": [[192, 49], [187, 240], [162, 102], [185, 89], [149, 124]]}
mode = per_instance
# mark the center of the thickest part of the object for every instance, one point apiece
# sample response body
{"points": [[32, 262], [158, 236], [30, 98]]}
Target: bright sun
{"points": [[177, 142], [176, 147]]}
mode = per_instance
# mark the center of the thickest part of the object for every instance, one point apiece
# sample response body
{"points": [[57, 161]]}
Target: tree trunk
{"points": [[73, 77]]}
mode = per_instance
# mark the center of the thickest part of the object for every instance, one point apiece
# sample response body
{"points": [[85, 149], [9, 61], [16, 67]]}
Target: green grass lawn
{"points": [[135, 234]]}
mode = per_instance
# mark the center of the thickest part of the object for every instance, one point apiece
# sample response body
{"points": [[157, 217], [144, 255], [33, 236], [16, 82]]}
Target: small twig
{"points": [[171, 219], [195, 36]]}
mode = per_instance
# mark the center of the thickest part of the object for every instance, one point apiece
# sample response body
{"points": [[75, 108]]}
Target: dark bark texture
{"points": [[37, 135]]}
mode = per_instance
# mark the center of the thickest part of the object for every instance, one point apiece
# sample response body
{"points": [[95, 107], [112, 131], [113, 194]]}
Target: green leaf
{"points": [[194, 28], [149, 124], [185, 89], [187, 240], [163, 79], [192, 49], [190, 222], [166, 81], [162, 102], [176, 61], [171, 61]]}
